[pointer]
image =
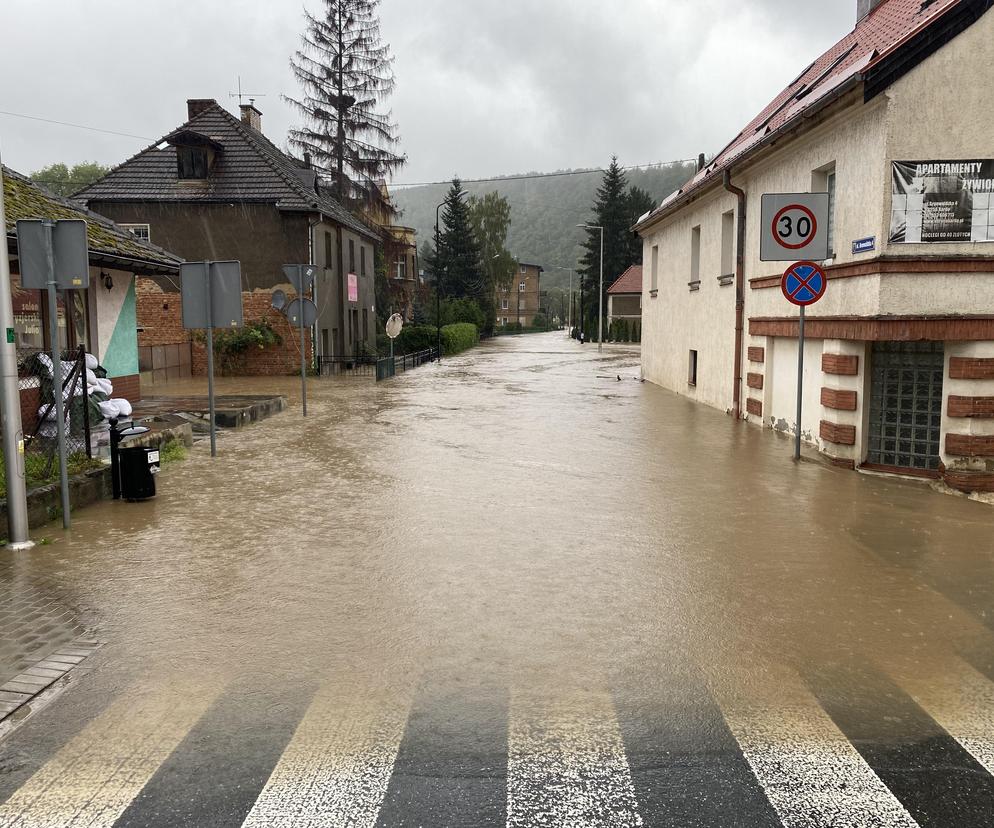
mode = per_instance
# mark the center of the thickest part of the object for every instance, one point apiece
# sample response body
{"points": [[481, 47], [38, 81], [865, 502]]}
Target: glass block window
{"points": [[906, 404]]}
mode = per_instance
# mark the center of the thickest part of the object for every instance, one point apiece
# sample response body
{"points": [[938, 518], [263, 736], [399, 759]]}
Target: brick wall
{"points": [[975, 369], [160, 313], [840, 365], [840, 435], [271, 361], [160, 316]]}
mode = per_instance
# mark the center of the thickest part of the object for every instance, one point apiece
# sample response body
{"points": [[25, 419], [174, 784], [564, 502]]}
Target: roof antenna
{"points": [[239, 94]]}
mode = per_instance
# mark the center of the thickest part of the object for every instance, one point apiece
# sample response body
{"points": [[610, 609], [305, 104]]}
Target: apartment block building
{"points": [[521, 300]]}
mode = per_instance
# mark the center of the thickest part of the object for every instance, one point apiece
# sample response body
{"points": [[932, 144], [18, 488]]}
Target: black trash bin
{"points": [[139, 466]]}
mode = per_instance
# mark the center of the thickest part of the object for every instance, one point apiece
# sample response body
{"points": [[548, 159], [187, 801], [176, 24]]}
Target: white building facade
{"points": [[896, 122]]}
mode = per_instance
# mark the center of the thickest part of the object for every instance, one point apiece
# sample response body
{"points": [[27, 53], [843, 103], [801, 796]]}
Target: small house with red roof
{"points": [[624, 297], [894, 123]]}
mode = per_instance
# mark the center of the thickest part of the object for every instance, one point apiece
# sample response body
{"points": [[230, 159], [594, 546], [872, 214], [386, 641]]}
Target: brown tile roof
{"points": [[249, 167], [876, 38], [629, 282], [24, 199]]}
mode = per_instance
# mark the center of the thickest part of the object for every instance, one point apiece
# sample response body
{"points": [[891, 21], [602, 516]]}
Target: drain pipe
{"points": [[739, 291]]}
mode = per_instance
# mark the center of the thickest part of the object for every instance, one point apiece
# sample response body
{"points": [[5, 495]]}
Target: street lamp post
{"points": [[600, 293], [438, 286]]}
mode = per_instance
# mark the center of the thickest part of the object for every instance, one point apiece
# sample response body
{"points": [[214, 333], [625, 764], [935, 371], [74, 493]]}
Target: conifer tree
{"points": [[345, 72], [457, 259], [616, 208]]}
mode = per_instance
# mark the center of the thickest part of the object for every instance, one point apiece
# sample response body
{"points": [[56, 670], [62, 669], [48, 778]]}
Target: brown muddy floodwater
{"points": [[517, 517]]}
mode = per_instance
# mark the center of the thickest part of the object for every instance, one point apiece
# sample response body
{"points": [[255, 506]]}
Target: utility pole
{"points": [[438, 284], [600, 295], [10, 403]]}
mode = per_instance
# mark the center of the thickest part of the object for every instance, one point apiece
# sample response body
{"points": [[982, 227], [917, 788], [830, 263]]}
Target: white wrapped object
{"points": [[109, 409], [91, 363], [123, 407], [104, 386], [91, 378]]}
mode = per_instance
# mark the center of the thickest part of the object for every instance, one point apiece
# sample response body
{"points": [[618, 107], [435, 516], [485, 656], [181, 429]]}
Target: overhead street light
{"points": [[600, 293]]}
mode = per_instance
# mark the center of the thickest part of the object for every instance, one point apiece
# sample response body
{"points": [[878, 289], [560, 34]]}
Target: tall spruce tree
{"points": [[457, 257], [616, 208], [345, 71]]}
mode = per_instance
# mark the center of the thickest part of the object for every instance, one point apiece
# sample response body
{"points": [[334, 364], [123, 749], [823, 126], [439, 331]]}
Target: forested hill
{"points": [[544, 212]]}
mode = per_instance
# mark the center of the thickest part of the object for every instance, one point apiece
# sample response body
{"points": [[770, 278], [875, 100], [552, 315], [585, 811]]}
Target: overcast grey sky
{"points": [[485, 87]]}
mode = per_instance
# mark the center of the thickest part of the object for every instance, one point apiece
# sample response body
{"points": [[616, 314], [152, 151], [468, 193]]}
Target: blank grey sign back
{"points": [[72, 255], [226, 295]]}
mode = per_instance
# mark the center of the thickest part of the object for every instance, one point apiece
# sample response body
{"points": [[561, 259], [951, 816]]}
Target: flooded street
{"points": [[517, 588]]}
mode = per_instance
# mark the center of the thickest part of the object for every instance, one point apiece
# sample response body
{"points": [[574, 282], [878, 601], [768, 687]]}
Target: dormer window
{"points": [[196, 154], [192, 162]]}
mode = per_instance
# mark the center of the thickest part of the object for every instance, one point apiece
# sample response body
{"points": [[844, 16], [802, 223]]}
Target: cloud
{"points": [[484, 86]]}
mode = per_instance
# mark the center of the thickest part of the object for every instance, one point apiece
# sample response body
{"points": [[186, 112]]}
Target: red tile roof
{"points": [[629, 282], [876, 36]]}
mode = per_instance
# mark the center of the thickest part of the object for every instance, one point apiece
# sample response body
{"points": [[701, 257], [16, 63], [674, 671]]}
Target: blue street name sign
{"points": [[867, 245]]}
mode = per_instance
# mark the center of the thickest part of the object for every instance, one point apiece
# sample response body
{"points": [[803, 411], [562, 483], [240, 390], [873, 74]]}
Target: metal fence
{"points": [[349, 367], [38, 413], [390, 366]]}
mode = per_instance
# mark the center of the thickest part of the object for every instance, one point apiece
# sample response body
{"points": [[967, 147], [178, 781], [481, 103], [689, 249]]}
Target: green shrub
{"points": [[459, 338], [456, 311], [541, 322], [414, 338]]}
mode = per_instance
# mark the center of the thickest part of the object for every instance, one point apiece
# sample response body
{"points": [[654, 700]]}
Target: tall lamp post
{"points": [[438, 285], [600, 293]]}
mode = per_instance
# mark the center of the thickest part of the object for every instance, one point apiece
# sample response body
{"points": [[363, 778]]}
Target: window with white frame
{"points": [[654, 270], [139, 230], [400, 267], [727, 243], [522, 286], [695, 254], [504, 304]]}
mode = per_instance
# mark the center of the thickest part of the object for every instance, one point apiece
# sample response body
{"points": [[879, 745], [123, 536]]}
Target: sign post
{"points": [[395, 324], [303, 312], [212, 298], [54, 255], [803, 284]]}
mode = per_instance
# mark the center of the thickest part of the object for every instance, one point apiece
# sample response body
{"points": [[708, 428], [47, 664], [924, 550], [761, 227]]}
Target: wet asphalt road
{"points": [[514, 590]]}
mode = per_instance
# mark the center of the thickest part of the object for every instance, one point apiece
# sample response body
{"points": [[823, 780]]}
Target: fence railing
{"points": [[38, 412], [349, 367], [390, 366]]}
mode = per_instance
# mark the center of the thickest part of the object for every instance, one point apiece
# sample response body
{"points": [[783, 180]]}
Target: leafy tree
{"points": [[457, 311], [381, 285], [345, 70], [490, 216], [64, 181]]}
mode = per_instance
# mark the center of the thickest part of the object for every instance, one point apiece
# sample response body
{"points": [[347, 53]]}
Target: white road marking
{"points": [[809, 771], [961, 701], [566, 764], [95, 776], [335, 770]]}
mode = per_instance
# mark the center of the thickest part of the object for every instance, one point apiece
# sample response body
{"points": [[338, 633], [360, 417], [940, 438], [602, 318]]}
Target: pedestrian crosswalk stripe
{"points": [[809, 770], [961, 701], [337, 765], [567, 764], [93, 778]]}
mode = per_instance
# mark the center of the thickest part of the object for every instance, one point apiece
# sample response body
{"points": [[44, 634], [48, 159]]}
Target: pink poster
{"points": [[353, 288]]}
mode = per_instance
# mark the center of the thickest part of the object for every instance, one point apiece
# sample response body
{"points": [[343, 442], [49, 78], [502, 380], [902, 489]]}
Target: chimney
{"points": [[864, 7], [251, 116], [701, 162], [194, 106]]}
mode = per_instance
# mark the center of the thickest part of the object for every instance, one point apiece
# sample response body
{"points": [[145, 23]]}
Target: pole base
{"points": [[20, 547]]}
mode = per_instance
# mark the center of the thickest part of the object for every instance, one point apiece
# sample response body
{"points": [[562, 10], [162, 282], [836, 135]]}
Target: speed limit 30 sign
{"points": [[794, 226]]}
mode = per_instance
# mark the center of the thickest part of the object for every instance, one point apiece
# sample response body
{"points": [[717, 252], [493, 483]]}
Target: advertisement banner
{"points": [[353, 288], [942, 202]]}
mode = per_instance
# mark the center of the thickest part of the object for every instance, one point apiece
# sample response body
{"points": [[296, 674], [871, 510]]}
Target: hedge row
{"points": [[415, 338], [460, 337]]}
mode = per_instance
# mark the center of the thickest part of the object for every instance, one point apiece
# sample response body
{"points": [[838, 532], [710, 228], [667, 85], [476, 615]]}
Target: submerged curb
{"points": [[24, 687]]}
